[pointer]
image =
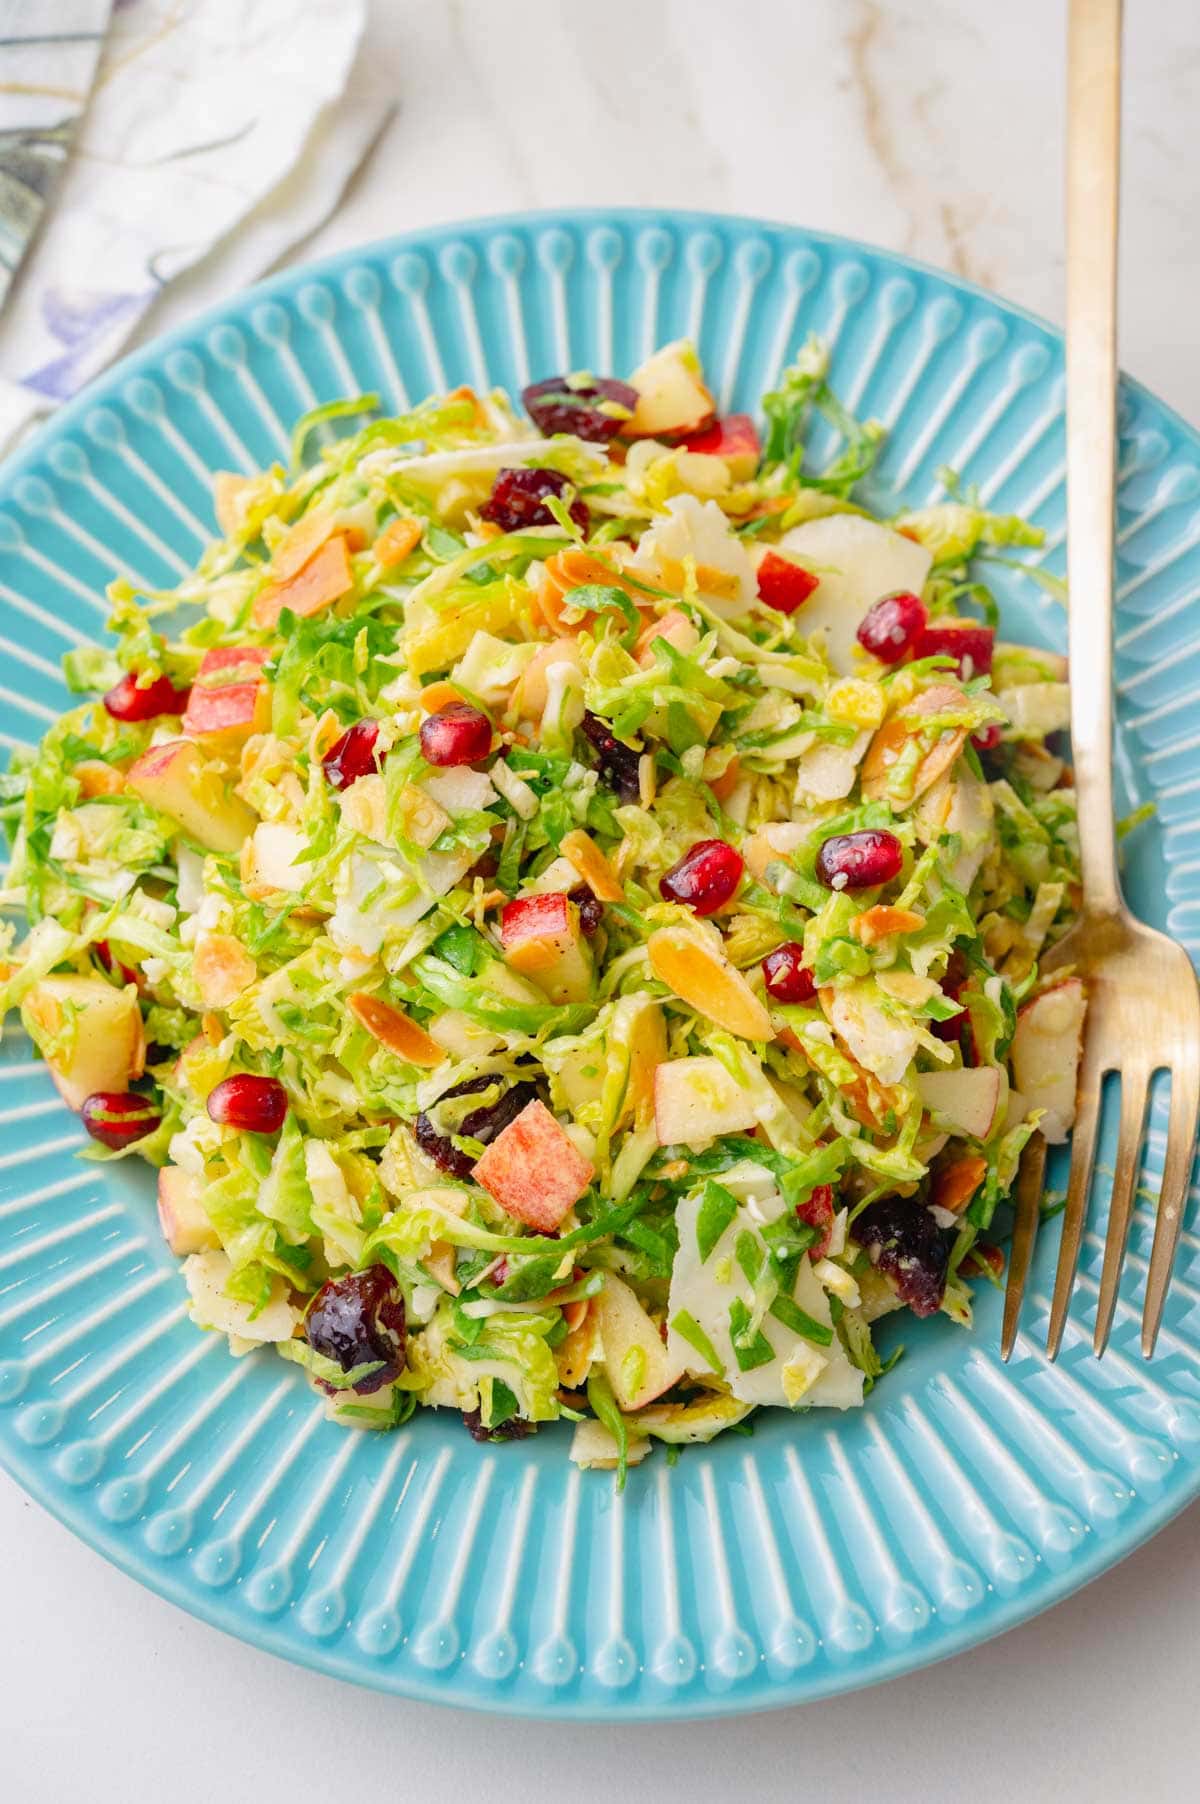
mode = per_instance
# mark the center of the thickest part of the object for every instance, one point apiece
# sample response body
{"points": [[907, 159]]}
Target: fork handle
{"points": [[1093, 179]]}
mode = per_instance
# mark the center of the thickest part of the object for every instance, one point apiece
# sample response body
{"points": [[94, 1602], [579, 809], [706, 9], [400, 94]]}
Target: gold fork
{"points": [[1143, 1001]]}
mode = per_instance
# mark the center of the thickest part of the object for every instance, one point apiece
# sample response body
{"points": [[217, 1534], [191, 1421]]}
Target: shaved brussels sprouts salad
{"points": [[558, 894]]}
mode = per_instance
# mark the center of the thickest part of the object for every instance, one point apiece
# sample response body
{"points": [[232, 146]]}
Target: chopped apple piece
{"points": [[635, 1356], [734, 439], [1045, 1055], [90, 1034], [271, 858], [543, 940], [972, 1100], [692, 964], [207, 1274], [534, 1170], [177, 779], [186, 1228], [859, 562], [672, 398], [696, 1099], [229, 699]]}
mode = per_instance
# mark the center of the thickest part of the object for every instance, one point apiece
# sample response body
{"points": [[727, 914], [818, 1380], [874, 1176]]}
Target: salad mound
{"points": [[559, 899]]}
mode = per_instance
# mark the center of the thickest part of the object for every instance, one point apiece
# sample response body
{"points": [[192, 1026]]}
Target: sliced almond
{"points": [[893, 736], [398, 1032], [592, 865], [880, 922], [697, 971], [955, 1184], [223, 969], [398, 538]]}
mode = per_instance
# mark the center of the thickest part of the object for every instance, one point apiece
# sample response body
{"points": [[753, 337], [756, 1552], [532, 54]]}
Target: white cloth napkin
{"points": [[219, 133]]}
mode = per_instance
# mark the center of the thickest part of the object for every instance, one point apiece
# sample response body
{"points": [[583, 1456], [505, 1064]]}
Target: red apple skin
{"points": [[534, 1170], [225, 701], [536, 918], [733, 438]]}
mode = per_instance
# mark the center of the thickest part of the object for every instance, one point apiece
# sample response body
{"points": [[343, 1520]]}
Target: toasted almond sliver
{"points": [[396, 1031], [438, 695], [955, 1184], [300, 542], [877, 923], [398, 538], [592, 865], [701, 976], [96, 778]]}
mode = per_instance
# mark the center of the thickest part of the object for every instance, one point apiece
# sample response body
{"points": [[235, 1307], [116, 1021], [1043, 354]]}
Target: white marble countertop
{"points": [[933, 127]]}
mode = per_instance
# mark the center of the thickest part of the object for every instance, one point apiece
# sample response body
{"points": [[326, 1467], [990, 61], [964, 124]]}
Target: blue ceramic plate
{"points": [[825, 1552]]}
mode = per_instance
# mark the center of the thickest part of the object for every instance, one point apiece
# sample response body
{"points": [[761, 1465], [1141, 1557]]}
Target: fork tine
{"points": [[1173, 1191], [1135, 1091], [1083, 1153], [1031, 1179]]}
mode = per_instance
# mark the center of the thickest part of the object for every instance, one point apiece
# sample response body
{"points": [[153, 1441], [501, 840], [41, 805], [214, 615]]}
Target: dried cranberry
{"points": [[859, 860], [970, 643], [890, 627], [128, 701], [518, 500], [358, 1321], [705, 877], [353, 755], [515, 1429], [907, 1245], [787, 977], [783, 585], [591, 909], [456, 734], [618, 762], [988, 738], [256, 1105], [817, 1212], [480, 1124], [118, 1118], [573, 404]]}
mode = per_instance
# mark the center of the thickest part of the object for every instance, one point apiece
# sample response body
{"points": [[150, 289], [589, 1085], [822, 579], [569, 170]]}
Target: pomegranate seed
{"points": [[518, 500], [988, 738], [359, 1320], [783, 585], [861, 860], [127, 701], [118, 1118], [456, 734], [966, 640], [705, 877], [817, 1212], [572, 404], [353, 755], [787, 977], [256, 1105], [591, 909], [890, 627]]}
